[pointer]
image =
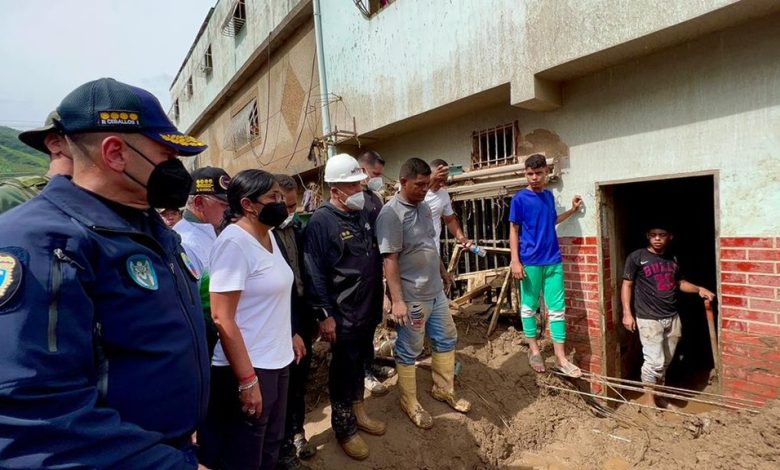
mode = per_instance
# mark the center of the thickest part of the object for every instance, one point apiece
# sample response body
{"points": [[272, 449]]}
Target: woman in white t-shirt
{"points": [[251, 287]]}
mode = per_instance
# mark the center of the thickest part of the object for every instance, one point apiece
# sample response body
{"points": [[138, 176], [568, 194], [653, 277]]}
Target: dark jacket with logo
{"points": [[344, 269], [102, 342]]}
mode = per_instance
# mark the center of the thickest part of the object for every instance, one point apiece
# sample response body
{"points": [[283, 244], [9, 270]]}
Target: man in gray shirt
{"points": [[416, 279]]}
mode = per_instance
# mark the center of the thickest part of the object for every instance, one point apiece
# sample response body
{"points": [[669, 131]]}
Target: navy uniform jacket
{"points": [[343, 269], [102, 342]]}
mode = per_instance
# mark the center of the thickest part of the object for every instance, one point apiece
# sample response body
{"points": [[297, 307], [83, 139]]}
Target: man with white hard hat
{"points": [[345, 290]]}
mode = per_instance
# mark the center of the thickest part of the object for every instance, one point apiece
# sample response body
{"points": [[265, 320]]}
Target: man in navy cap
{"points": [[102, 343]]}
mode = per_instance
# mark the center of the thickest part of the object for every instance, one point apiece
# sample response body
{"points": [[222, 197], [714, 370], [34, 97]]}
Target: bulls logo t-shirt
{"points": [[655, 280]]}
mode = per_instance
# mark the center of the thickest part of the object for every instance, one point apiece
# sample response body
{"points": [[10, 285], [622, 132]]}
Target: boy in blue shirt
{"points": [[536, 261]]}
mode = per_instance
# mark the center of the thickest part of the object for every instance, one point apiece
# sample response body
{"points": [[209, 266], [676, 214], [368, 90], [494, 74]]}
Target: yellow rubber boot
{"points": [[365, 423], [355, 447], [443, 372], [407, 385]]}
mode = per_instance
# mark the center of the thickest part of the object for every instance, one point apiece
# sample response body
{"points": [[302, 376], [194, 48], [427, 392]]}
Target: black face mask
{"points": [[273, 214], [169, 183]]}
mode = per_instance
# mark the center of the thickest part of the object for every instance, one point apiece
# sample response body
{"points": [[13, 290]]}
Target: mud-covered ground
{"points": [[517, 423]]}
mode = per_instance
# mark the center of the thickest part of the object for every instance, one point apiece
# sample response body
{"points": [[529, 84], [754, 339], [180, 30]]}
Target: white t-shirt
{"points": [[441, 205], [197, 240], [239, 262]]}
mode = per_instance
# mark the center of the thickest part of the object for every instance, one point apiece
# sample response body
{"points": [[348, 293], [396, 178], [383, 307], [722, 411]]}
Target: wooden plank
{"points": [[499, 303], [468, 296], [476, 274]]}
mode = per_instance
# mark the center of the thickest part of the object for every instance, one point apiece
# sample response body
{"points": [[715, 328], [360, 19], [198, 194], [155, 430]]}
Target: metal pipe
{"points": [[322, 74]]}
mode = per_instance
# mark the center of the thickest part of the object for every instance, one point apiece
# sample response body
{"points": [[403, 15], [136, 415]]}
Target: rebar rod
{"points": [[667, 395], [673, 389], [593, 395]]}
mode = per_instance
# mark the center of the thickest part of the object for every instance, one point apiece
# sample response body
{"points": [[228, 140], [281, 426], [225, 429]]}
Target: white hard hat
{"points": [[343, 168]]}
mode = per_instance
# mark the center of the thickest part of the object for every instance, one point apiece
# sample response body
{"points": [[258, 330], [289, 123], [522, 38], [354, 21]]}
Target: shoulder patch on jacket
{"points": [[190, 266], [142, 271], [10, 276]]}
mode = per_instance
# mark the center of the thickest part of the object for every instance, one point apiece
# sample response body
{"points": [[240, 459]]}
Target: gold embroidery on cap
{"points": [[183, 140]]}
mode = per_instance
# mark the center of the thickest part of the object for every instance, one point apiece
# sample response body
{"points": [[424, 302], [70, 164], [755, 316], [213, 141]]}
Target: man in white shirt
{"points": [[438, 199], [198, 229]]}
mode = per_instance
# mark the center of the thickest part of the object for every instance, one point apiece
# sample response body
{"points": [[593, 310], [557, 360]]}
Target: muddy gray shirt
{"points": [[407, 229]]}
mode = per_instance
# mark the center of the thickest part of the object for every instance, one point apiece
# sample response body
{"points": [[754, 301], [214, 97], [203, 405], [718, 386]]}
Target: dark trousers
{"points": [[345, 383], [296, 398], [231, 439]]}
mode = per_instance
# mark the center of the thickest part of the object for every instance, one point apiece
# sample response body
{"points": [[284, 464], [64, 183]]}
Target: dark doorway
{"points": [[688, 206]]}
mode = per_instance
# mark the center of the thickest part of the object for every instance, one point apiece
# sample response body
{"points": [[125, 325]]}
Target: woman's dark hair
{"points": [[250, 184]]}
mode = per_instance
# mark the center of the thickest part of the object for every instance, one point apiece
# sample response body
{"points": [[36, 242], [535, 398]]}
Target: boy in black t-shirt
{"points": [[651, 280]]}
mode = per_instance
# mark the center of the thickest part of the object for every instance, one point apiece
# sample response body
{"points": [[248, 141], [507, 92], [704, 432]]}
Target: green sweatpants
{"points": [[546, 280]]}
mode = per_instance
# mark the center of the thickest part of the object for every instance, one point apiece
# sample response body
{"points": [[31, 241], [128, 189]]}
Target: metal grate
{"points": [[244, 127], [494, 147], [189, 89], [486, 222], [234, 23], [207, 65]]}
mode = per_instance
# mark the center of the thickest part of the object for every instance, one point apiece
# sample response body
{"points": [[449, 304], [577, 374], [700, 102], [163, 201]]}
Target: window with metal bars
{"points": [[207, 66], [495, 146], [189, 89], [176, 110], [485, 221], [245, 126], [234, 23]]}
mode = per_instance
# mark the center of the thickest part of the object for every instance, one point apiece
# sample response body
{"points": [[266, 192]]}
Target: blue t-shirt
{"points": [[535, 214]]}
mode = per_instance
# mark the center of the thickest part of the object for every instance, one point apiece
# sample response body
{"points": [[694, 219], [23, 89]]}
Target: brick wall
{"points": [[583, 315], [750, 313]]}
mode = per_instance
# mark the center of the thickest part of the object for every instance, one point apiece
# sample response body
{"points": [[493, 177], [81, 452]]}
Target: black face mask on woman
{"points": [[273, 214], [168, 185]]}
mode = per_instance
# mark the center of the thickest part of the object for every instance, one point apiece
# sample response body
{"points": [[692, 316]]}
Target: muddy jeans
{"points": [[431, 317], [659, 340]]}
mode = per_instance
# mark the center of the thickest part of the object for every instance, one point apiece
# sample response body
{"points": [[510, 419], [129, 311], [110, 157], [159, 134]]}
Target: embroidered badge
{"points": [[190, 266], [346, 235], [142, 271], [10, 276], [118, 118], [204, 185], [224, 181]]}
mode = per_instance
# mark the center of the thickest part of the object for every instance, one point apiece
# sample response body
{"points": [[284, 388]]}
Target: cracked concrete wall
{"points": [[709, 104], [413, 57]]}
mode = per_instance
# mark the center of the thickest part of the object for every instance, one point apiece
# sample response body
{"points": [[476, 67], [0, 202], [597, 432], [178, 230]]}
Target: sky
{"points": [[49, 47]]}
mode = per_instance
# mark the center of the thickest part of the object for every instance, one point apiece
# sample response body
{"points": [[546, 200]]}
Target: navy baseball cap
{"points": [[106, 105]]}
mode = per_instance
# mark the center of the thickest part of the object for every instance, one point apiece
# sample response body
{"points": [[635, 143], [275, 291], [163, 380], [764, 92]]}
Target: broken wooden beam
{"points": [[501, 298], [472, 294]]}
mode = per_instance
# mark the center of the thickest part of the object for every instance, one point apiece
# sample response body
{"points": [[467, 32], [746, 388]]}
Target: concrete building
{"points": [[663, 109], [248, 87], [667, 108]]}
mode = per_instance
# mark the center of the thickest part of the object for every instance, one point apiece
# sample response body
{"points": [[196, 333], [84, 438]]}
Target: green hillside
{"points": [[17, 158]]}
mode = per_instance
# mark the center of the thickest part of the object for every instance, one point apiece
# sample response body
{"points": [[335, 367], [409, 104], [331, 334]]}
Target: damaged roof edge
{"points": [[203, 27]]}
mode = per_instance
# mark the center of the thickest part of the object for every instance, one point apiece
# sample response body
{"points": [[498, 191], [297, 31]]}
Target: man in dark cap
{"points": [[102, 345], [46, 139], [198, 229]]}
